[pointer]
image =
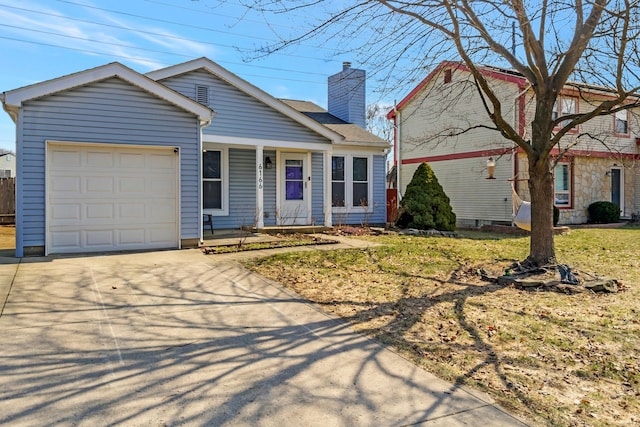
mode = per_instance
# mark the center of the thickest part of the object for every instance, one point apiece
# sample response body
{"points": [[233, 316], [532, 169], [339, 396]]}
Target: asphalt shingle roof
{"points": [[353, 134]]}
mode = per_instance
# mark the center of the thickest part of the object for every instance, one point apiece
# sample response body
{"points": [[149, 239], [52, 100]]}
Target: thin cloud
{"points": [[94, 40]]}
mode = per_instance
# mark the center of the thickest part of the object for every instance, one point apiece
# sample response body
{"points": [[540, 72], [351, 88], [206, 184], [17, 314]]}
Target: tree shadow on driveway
{"points": [[108, 341]]}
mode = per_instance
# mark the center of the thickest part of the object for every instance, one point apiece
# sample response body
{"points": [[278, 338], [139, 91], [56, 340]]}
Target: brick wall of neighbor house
{"points": [[590, 184]]}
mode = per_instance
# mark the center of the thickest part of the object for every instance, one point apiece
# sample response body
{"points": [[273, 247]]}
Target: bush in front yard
{"points": [[603, 212], [425, 205]]}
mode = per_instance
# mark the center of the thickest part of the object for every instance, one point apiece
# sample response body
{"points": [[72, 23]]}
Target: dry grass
{"points": [[7, 237], [555, 359]]}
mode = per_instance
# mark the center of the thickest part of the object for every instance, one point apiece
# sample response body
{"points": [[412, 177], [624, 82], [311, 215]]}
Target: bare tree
{"points": [[592, 41], [377, 123]]}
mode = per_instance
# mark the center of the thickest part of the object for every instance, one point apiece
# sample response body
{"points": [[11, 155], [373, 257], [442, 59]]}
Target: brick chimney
{"points": [[347, 95]]}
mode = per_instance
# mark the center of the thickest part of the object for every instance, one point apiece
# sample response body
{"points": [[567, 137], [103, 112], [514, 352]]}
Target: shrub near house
{"points": [[425, 205]]}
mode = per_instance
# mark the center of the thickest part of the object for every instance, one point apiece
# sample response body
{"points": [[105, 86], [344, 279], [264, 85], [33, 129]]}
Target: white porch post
{"points": [[327, 189], [259, 187]]}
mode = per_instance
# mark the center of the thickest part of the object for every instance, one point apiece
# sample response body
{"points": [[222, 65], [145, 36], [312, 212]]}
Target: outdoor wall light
{"points": [[491, 168], [268, 164]]}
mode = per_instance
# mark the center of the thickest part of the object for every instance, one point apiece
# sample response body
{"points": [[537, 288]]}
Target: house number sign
{"points": [[260, 176]]}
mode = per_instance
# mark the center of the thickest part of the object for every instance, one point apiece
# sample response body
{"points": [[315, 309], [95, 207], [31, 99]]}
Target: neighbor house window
{"points": [[564, 106], [350, 182], [447, 75], [337, 181], [622, 122], [212, 179], [562, 177]]}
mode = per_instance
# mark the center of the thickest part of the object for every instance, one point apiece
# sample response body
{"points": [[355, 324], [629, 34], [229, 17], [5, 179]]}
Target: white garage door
{"points": [[105, 198]]}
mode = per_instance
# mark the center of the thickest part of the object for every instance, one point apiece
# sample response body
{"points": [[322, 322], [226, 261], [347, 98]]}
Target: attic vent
{"points": [[202, 94]]}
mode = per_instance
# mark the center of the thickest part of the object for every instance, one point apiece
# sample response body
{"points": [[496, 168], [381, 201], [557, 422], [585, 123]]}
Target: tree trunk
{"points": [[541, 185], [542, 248]]}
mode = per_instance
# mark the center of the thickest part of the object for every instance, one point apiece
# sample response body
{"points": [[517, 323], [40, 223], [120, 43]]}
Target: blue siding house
{"points": [[111, 159]]}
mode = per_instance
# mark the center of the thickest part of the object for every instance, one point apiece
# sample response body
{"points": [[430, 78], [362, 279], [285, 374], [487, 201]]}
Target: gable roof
{"points": [[498, 73], [352, 133], [246, 87], [12, 100]]}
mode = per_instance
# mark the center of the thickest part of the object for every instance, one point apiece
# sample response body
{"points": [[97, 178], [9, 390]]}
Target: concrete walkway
{"points": [[181, 338]]}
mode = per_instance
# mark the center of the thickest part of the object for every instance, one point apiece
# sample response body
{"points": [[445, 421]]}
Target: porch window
{"points": [[621, 122], [360, 181], [350, 183], [212, 179], [562, 177], [337, 181]]}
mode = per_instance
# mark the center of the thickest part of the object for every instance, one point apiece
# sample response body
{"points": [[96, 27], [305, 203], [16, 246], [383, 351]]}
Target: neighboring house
{"points": [[111, 159], [443, 122], [7, 165]]}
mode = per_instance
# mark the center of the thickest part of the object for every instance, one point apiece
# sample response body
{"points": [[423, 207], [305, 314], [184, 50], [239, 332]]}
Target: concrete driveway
{"points": [[180, 338]]}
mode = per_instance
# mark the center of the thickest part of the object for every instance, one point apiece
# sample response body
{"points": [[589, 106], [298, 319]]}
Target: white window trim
{"points": [[622, 201], [568, 191], [559, 110], [348, 180], [224, 174], [616, 117]]}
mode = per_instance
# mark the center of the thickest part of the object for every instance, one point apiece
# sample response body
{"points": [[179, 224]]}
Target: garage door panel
{"points": [[111, 198], [132, 184], [100, 159], [65, 158], [66, 239], [161, 161], [99, 211], [132, 236], [69, 184], [159, 235], [132, 210], [132, 161], [99, 238], [101, 184], [66, 211]]}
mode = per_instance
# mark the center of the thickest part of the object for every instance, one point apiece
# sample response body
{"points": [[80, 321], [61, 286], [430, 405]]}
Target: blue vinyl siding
{"points": [[111, 111], [317, 197], [239, 114], [242, 191]]}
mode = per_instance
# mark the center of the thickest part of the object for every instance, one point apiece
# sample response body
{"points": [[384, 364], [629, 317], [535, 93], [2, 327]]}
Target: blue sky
{"points": [[44, 39]]}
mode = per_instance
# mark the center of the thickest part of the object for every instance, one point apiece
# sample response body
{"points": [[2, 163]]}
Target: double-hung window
{"points": [[337, 181], [564, 106], [360, 181], [351, 182], [621, 122], [215, 182], [562, 185]]}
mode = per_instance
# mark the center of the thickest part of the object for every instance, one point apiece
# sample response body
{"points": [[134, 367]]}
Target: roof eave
{"points": [[248, 88], [14, 99]]}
